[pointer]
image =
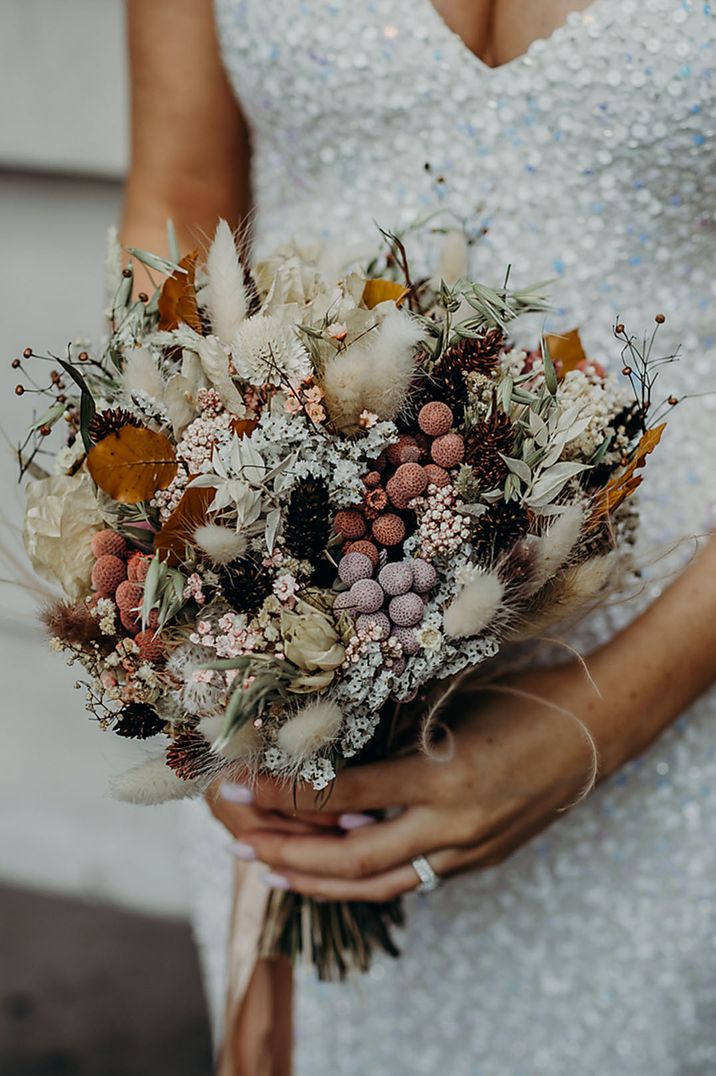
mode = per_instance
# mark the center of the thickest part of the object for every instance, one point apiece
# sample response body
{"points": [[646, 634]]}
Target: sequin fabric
{"points": [[590, 161]]}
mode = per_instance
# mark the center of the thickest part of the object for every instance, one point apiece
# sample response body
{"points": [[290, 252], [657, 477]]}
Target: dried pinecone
{"points": [[111, 421], [307, 525], [485, 444], [138, 721], [447, 382], [189, 755], [478, 354], [246, 585], [502, 525]]}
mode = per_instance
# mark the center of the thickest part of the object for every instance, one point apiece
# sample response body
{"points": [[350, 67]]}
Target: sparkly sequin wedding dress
{"points": [[590, 160]]}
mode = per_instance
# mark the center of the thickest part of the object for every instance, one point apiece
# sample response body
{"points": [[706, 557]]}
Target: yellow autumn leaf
{"points": [[381, 291], [567, 351], [132, 464]]}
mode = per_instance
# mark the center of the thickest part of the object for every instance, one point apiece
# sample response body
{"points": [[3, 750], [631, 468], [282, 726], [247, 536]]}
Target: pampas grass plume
{"points": [[475, 607], [225, 292], [221, 544], [553, 549], [570, 595], [141, 374], [310, 729], [150, 783]]}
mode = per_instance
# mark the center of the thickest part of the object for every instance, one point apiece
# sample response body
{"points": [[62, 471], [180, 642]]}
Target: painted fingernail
{"points": [[236, 793], [355, 821], [242, 851], [276, 881]]}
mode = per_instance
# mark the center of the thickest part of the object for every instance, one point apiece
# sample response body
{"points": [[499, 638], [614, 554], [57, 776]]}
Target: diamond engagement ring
{"points": [[429, 880]]}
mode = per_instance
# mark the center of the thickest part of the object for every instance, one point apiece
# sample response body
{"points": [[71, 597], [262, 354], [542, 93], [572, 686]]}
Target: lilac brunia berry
{"points": [[367, 595], [406, 610], [396, 578], [424, 575], [369, 623], [353, 567]]}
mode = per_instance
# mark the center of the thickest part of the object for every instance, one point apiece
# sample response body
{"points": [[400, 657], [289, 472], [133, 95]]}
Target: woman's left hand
{"points": [[516, 762]]}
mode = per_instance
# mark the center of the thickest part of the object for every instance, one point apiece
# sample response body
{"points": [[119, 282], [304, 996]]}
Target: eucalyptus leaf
{"points": [[155, 261], [519, 468], [550, 374]]}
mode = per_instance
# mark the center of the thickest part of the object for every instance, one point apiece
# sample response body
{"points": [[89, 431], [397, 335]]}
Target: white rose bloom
{"points": [[61, 515]]}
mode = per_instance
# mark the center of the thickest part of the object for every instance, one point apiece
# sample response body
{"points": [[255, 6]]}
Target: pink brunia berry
{"points": [[343, 603], [365, 547], [424, 575], [108, 543], [406, 638], [129, 596], [435, 419], [355, 566], [350, 524], [389, 529], [406, 610], [437, 476], [372, 621], [151, 647], [366, 596], [137, 567], [108, 572], [396, 578], [409, 480], [449, 450]]}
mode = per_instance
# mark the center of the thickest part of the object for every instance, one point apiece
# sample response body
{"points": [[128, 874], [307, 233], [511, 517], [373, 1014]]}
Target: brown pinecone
{"points": [[502, 525], [246, 584], [478, 354], [111, 421], [307, 525], [483, 445], [447, 383], [138, 721]]}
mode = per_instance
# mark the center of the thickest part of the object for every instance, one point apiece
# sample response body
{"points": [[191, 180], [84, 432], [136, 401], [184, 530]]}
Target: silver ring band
{"points": [[429, 880]]}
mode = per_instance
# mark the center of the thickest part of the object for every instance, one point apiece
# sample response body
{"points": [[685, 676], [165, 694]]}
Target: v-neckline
{"points": [[585, 16]]}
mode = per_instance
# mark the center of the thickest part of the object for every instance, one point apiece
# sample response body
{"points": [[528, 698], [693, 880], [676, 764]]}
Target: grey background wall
{"points": [[63, 151]]}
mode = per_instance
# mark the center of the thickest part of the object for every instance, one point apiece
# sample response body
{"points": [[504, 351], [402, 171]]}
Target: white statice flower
{"points": [[267, 351], [600, 399]]}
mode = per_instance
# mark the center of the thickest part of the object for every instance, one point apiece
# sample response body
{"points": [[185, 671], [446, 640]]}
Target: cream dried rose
{"points": [[61, 515], [311, 642]]}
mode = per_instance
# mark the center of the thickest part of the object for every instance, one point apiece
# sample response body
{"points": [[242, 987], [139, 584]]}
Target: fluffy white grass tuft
{"points": [[310, 729], [150, 783], [221, 544], [225, 292], [453, 259], [570, 594], [375, 377], [475, 607], [244, 745], [554, 548], [141, 374]]}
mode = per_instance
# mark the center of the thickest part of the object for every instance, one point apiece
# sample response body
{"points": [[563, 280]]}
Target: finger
{"points": [[376, 889], [359, 854], [398, 782], [241, 820], [228, 795]]}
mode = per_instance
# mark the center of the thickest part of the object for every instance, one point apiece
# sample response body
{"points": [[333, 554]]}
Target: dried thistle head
{"points": [[73, 623]]}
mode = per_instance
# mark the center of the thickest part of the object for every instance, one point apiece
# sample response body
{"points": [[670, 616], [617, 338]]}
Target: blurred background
{"points": [[98, 973]]}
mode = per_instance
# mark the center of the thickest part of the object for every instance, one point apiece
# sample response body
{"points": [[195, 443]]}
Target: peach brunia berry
{"points": [[108, 572], [367, 548], [389, 529], [151, 647], [350, 524], [129, 596], [449, 450], [409, 481], [108, 543], [137, 567], [437, 476], [435, 419], [405, 450]]}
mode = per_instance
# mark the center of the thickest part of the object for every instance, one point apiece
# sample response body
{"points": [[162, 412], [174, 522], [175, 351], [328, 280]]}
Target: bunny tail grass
{"points": [[225, 293]]}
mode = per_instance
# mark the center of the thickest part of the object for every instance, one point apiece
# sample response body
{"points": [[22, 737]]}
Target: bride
{"points": [[581, 138]]}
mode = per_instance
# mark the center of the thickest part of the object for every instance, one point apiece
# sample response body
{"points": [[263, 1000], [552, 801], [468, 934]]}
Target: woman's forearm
{"points": [[652, 670]]}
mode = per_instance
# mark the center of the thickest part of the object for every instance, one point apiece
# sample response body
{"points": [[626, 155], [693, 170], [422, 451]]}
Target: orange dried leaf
{"points": [[132, 464], [567, 351], [178, 531], [619, 489], [177, 302], [244, 427], [381, 291]]}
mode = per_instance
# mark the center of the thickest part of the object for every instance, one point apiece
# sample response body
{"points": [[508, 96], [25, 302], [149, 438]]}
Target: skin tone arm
{"points": [[190, 148], [516, 763]]}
